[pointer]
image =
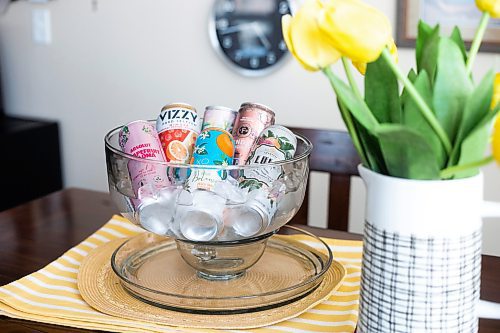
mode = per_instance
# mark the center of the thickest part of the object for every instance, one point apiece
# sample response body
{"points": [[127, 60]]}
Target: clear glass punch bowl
{"points": [[215, 243]]}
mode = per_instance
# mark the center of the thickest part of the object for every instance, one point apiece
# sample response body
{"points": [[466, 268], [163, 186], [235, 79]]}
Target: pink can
{"points": [[251, 120], [140, 139]]}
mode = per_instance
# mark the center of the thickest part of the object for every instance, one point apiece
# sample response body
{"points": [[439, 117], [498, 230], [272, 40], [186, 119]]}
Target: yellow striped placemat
{"points": [[50, 295]]}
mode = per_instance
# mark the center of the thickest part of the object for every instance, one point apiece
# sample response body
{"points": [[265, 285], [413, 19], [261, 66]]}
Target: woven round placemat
{"points": [[101, 289]]}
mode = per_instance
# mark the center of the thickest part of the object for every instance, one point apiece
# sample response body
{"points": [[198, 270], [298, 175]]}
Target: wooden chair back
{"points": [[334, 153]]}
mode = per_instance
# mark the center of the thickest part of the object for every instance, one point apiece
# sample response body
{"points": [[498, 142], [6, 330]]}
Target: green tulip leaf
{"points": [[372, 153], [412, 76], [382, 92], [407, 153], [428, 58], [354, 133], [413, 118], [476, 109], [473, 147], [425, 31], [372, 148], [357, 107], [456, 36], [451, 87]]}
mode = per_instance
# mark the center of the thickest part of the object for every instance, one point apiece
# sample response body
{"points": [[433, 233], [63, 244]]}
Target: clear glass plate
{"points": [[151, 268]]}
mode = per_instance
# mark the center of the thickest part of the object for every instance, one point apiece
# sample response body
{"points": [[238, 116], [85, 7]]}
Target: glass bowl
{"points": [[236, 213], [151, 268]]}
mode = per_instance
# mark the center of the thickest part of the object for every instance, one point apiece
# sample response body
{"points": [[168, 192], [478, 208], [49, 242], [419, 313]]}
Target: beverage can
{"points": [[220, 117], [202, 221], [275, 143], [251, 120], [178, 126], [251, 218], [140, 139], [214, 146]]}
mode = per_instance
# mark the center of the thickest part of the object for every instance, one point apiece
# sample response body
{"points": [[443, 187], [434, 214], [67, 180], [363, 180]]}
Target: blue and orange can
{"points": [[214, 146]]}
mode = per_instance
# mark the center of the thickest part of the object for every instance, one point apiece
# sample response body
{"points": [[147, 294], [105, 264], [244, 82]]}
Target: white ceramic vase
{"points": [[421, 254]]}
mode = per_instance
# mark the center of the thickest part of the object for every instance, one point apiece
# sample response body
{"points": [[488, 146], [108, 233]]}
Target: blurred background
{"points": [[101, 63]]}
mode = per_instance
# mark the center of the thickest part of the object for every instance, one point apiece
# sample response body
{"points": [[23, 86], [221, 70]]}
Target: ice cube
{"points": [[147, 191], [294, 175], [156, 212], [155, 217], [277, 191], [230, 191], [287, 207], [289, 202], [169, 194], [258, 194], [208, 199]]}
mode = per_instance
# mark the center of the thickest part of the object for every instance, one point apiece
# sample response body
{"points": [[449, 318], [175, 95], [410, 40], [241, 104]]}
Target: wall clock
{"points": [[247, 34]]}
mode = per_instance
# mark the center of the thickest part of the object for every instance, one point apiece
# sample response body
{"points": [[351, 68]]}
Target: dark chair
{"points": [[335, 154]]}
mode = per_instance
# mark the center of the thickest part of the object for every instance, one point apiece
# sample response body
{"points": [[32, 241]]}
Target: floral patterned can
{"points": [[276, 143], [214, 146], [140, 139]]}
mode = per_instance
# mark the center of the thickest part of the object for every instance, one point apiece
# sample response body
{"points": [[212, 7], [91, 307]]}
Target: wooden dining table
{"points": [[36, 233]]}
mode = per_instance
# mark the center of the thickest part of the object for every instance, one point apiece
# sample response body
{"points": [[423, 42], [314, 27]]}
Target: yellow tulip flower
{"points": [[495, 140], [361, 66], [360, 32], [490, 6], [496, 91], [305, 40]]}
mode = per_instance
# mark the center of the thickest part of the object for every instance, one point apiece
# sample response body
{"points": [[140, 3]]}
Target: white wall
{"points": [[127, 59]]}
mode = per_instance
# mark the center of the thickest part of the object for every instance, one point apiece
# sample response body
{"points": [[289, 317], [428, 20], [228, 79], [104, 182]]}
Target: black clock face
{"points": [[248, 33]]}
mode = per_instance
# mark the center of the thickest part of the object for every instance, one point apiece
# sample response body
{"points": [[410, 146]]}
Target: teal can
{"points": [[214, 146]]}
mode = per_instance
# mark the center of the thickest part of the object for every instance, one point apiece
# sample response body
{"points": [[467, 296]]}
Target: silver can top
{"points": [[220, 108], [179, 105], [265, 108]]}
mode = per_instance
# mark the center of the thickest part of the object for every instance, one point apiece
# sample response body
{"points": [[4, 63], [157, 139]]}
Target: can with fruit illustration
{"points": [[275, 143], [140, 139], [178, 125], [214, 146]]}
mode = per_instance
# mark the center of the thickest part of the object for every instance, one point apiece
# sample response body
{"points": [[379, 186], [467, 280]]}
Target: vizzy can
{"points": [[178, 125], [251, 120], [220, 117]]}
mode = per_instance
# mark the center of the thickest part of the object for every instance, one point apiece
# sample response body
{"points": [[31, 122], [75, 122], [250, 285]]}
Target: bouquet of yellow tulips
{"points": [[438, 126]]}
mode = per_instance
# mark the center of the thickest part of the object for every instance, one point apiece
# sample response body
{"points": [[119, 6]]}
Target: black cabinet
{"points": [[30, 160]]}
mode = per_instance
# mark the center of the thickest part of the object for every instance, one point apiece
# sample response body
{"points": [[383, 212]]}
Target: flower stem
{"points": [[350, 78], [348, 121], [478, 37], [449, 172], [422, 105]]}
